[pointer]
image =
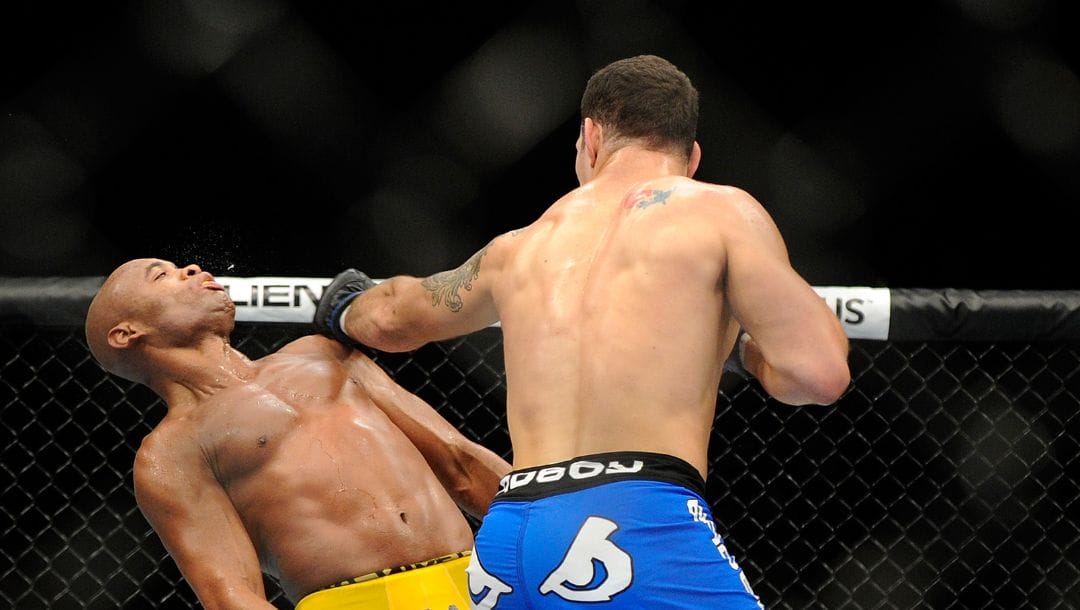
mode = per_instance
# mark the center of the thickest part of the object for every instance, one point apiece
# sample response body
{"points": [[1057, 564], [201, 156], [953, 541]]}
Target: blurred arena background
{"points": [[925, 144], [929, 143]]}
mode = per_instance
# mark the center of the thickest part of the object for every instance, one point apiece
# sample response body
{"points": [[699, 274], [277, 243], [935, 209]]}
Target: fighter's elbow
{"points": [[387, 332], [825, 379], [825, 371], [393, 342], [814, 382], [829, 384]]}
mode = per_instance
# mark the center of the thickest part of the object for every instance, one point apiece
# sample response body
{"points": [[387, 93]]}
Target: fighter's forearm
{"points": [[483, 469], [390, 316], [235, 599], [809, 381], [404, 312]]}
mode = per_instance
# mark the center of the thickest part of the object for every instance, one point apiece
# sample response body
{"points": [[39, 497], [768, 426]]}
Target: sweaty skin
{"points": [[619, 306], [309, 464]]}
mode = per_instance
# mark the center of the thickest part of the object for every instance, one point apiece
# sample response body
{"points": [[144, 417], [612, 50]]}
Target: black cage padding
{"points": [[919, 314]]}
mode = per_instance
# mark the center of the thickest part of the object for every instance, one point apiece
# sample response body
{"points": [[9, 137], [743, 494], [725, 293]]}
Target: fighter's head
{"points": [[643, 99], [148, 307]]}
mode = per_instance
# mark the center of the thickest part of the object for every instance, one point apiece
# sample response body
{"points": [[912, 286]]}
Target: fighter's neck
{"points": [[633, 163], [195, 374]]}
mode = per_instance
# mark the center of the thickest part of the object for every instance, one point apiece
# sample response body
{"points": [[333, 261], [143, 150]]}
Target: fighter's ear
{"points": [[592, 135], [695, 160], [123, 335]]}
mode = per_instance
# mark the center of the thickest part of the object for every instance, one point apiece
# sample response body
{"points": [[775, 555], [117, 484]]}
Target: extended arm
{"points": [[404, 312], [197, 524], [797, 348], [468, 470]]}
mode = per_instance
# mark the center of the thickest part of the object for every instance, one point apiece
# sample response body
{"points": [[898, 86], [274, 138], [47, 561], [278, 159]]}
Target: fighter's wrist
{"points": [[744, 338], [341, 318]]}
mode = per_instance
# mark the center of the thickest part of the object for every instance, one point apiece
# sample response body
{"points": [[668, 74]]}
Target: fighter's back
{"points": [[614, 320]]}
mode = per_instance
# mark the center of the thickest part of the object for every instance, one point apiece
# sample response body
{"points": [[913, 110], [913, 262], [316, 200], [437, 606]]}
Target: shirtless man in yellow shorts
{"points": [[309, 464]]}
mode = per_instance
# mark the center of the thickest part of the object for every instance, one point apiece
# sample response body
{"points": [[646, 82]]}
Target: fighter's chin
{"points": [[226, 304]]}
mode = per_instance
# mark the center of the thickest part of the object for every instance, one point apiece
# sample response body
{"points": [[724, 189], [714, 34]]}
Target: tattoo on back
{"points": [[646, 197], [445, 285]]}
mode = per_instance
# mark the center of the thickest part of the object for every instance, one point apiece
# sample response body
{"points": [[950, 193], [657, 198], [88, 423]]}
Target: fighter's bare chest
{"points": [[244, 428]]}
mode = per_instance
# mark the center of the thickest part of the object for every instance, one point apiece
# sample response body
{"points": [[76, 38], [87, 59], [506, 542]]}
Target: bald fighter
{"points": [[619, 307], [309, 464]]}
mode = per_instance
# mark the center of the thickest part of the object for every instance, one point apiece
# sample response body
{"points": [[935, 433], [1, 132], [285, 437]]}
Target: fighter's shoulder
{"points": [[720, 194], [736, 215], [704, 214], [317, 345], [166, 448], [507, 242]]}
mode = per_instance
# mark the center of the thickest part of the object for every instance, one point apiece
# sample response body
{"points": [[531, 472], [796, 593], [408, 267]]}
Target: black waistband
{"points": [[596, 469]]}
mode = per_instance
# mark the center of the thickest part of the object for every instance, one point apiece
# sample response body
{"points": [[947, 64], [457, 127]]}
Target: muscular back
{"points": [[326, 487], [614, 320], [618, 307]]}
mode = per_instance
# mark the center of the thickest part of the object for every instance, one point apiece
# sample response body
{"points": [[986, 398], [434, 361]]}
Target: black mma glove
{"points": [[345, 287], [735, 363]]}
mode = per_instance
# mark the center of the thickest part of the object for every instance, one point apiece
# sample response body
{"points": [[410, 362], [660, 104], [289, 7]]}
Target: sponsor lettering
{"points": [[864, 312], [577, 470], [849, 311], [699, 514], [272, 295]]}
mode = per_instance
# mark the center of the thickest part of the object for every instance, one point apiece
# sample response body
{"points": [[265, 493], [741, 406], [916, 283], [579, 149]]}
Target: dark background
{"points": [[904, 144], [908, 144]]}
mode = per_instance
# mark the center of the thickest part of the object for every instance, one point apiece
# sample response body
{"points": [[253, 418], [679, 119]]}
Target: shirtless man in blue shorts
{"points": [[619, 308]]}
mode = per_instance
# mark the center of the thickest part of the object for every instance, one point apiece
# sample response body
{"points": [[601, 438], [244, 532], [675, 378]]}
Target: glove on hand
{"points": [[345, 287], [736, 361]]}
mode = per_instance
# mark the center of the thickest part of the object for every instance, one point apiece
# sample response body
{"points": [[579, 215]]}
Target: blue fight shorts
{"points": [[608, 531]]}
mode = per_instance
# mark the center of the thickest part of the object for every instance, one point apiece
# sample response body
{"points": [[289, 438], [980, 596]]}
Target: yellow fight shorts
{"points": [[436, 584]]}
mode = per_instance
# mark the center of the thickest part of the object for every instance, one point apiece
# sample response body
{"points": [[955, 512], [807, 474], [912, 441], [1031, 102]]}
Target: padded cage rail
{"points": [[947, 476]]}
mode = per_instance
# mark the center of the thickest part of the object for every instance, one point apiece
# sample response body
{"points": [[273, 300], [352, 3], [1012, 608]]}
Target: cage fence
{"points": [[946, 477]]}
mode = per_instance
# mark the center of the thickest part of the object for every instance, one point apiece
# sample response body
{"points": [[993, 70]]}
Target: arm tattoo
{"points": [[444, 286]]}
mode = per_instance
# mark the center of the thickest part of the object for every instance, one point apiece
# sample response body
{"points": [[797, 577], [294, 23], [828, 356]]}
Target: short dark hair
{"points": [[644, 98]]}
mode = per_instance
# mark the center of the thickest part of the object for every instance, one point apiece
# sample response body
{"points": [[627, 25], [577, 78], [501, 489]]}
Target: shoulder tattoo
{"points": [[646, 197], [445, 286]]}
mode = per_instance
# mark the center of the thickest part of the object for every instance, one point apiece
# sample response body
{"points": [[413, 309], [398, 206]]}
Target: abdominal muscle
{"points": [[337, 498]]}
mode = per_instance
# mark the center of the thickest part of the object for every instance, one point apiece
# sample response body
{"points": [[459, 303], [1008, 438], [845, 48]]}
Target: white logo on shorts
{"points": [[573, 579], [577, 470]]}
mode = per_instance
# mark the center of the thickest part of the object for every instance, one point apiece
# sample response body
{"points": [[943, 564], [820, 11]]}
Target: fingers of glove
{"points": [[345, 287]]}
